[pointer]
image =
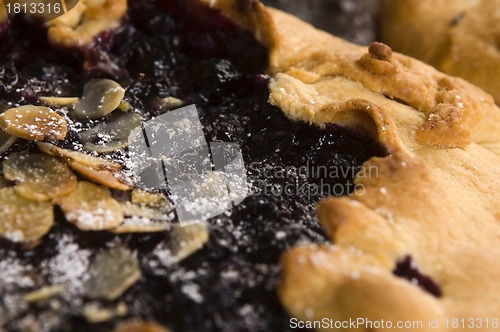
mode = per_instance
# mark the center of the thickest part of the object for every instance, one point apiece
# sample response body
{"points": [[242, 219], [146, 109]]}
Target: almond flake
{"points": [[113, 272], [95, 169], [39, 177], [100, 97], [24, 220], [91, 208], [34, 123]]}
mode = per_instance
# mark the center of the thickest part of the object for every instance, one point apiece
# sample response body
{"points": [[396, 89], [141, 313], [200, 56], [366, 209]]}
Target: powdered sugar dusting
{"points": [[70, 266], [15, 277], [97, 219], [193, 292]]}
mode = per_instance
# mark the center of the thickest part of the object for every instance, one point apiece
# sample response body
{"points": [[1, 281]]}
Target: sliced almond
{"points": [[140, 326], [167, 103], [43, 294], [111, 136], [36, 123], [149, 199], [113, 272], [59, 101], [48, 148], [141, 211], [141, 219], [100, 97], [141, 225], [147, 212], [79, 157], [39, 177], [91, 208], [125, 106], [95, 313], [95, 169], [111, 179], [24, 220], [186, 240]]}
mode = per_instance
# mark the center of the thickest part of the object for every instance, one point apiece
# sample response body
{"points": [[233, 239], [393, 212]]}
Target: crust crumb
{"points": [[378, 59], [444, 128], [380, 51]]}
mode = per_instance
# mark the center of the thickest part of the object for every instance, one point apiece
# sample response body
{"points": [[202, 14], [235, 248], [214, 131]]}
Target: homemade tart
{"points": [[417, 244], [460, 38], [68, 275]]}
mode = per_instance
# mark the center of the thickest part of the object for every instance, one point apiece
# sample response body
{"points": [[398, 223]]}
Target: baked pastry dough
{"points": [[84, 22], [80, 25], [461, 37], [435, 195]]}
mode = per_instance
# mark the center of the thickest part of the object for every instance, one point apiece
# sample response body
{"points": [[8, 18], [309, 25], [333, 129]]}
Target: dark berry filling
{"points": [[201, 58], [407, 269]]}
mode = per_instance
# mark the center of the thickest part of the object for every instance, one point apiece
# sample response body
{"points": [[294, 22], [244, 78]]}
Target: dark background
{"points": [[354, 20]]}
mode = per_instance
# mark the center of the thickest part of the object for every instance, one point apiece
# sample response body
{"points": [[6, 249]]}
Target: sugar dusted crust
{"points": [[459, 37], [434, 197]]}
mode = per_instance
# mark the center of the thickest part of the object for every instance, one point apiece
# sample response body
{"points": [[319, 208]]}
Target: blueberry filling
{"points": [[408, 270], [203, 59]]}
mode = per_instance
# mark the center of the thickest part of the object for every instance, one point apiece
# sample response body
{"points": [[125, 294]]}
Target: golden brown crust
{"points": [[459, 37], [433, 198], [86, 20], [400, 78]]}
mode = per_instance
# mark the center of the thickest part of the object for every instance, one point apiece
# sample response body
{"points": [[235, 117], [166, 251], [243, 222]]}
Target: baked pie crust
{"points": [[88, 19], [435, 197], [459, 37]]}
